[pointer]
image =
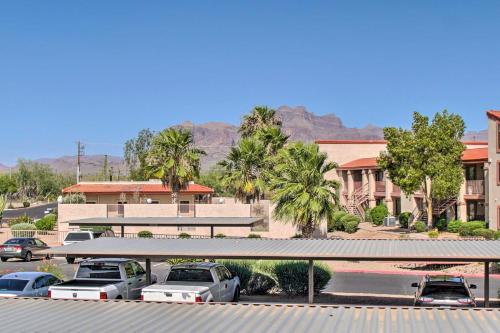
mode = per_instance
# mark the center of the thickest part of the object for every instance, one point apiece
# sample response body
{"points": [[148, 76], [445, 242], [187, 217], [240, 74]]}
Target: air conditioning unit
{"points": [[389, 221]]}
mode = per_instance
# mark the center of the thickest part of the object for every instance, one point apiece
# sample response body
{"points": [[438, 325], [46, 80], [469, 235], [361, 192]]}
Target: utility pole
{"points": [[111, 174], [79, 154], [105, 167]]}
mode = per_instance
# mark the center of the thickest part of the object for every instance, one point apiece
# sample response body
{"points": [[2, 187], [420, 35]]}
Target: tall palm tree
{"points": [[173, 158], [273, 139], [260, 117], [242, 170], [300, 191]]}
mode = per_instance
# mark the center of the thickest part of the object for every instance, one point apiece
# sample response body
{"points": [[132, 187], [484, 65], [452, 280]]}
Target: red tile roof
{"points": [[350, 141], [361, 163], [476, 154], [112, 188], [493, 114]]}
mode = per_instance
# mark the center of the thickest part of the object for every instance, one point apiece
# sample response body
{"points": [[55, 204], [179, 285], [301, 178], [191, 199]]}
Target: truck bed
{"points": [[91, 283]]}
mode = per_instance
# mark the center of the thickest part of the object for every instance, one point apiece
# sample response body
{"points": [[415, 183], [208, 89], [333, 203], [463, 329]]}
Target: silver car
{"points": [[444, 290], [27, 284]]}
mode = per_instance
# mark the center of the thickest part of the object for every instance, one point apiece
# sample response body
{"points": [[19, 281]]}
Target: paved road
{"points": [[342, 284], [35, 212]]}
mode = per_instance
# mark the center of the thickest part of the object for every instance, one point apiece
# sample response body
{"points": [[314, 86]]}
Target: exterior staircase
{"points": [[357, 202], [438, 208]]}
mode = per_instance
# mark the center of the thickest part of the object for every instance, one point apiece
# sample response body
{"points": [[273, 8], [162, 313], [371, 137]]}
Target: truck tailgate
{"points": [[172, 293], [74, 293]]}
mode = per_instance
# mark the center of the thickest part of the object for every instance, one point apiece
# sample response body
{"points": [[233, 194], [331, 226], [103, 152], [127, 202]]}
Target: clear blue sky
{"points": [[100, 71]]}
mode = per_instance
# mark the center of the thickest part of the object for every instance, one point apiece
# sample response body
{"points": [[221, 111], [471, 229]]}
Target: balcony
{"points": [[474, 187], [380, 186], [357, 185]]}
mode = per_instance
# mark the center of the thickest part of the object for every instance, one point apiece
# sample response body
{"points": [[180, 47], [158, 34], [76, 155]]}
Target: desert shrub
{"points": [[74, 198], [26, 204], [48, 222], [254, 236], [21, 219], [368, 215], [378, 213], [497, 234], [441, 224], [48, 267], [241, 268], [433, 233], [485, 233], [454, 225], [297, 236], [260, 284], [23, 230], [220, 236], [468, 228], [292, 276], [404, 219], [184, 235], [177, 261], [350, 223], [145, 234], [336, 222], [420, 226]]}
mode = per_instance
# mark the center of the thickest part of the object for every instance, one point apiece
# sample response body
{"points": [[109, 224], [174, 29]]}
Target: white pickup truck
{"points": [[195, 282], [82, 236], [104, 279]]}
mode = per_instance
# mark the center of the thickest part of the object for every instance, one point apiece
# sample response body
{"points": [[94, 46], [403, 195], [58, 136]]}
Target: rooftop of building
{"points": [[146, 187]]}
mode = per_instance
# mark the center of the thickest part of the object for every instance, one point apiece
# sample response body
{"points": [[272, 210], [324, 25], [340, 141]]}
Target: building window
{"points": [[498, 173], [379, 175]]}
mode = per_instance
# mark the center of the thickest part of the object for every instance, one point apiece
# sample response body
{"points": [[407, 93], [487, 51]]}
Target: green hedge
{"points": [[404, 219], [184, 235], [350, 223], [368, 215], [378, 214], [253, 236], [23, 230], [420, 226], [21, 219], [486, 233], [48, 222], [292, 277], [335, 224], [433, 234], [145, 234], [467, 229], [454, 225], [242, 268], [441, 224]]}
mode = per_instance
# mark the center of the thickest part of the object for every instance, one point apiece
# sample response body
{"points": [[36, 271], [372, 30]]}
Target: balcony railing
{"points": [[357, 185], [396, 189], [474, 187], [380, 186]]}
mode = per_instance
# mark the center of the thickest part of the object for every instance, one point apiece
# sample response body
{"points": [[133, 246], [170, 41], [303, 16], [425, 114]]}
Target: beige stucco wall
{"points": [[217, 210], [146, 210], [493, 188], [131, 199], [67, 212]]}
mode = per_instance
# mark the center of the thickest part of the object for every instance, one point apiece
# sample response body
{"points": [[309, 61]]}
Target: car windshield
{"points": [[98, 270], [77, 236], [188, 274], [15, 241], [12, 284], [445, 291]]}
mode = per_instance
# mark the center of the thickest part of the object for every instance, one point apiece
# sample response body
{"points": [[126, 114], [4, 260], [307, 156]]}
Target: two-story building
{"points": [[364, 184]]}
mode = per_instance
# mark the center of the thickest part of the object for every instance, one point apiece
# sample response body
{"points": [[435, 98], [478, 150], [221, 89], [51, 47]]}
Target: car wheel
{"points": [[70, 260], [4, 259], [236, 296], [27, 258]]}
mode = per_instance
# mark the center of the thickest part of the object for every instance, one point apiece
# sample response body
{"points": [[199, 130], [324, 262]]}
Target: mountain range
{"points": [[217, 137]]}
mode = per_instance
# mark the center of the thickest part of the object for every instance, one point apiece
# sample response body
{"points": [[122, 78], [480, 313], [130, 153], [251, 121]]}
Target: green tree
{"points": [[8, 184], [426, 157], [243, 170], [213, 179], [3, 203], [273, 139], [135, 152], [174, 159], [299, 189], [260, 117]]}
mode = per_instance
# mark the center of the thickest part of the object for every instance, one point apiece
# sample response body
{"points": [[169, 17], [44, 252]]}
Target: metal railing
{"points": [[380, 186], [474, 186], [115, 210]]}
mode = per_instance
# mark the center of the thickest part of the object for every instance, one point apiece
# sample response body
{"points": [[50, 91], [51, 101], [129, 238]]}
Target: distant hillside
{"points": [[3, 168], [217, 137]]}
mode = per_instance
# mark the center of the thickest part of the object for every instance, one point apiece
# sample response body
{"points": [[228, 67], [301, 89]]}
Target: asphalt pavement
{"points": [[35, 212]]}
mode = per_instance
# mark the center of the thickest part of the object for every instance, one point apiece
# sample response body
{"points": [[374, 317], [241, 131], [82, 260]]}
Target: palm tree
{"points": [[300, 191], [260, 117], [273, 139], [174, 159], [242, 170]]}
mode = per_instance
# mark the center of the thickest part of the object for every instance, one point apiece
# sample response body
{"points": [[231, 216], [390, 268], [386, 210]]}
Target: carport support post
{"points": [[310, 288], [212, 231], [486, 284], [122, 231], [148, 271]]}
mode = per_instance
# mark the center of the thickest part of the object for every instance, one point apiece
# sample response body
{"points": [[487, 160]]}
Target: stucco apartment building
{"points": [[364, 184]]}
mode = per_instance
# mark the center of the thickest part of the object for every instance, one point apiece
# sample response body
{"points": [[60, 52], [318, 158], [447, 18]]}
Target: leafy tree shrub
{"points": [[497, 234], [48, 222], [177, 261], [297, 236], [21, 219], [378, 214], [350, 223], [433, 233], [145, 234], [26, 204], [220, 236], [48, 267], [485, 233], [23, 230], [454, 225], [468, 228], [241, 268], [184, 235], [292, 276], [420, 226], [368, 215], [260, 284], [74, 198], [441, 224], [404, 219], [336, 221], [254, 236]]}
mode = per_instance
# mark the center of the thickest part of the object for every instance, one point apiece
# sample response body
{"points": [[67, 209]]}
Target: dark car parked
{"points": [[23, 247], [447, 291]]}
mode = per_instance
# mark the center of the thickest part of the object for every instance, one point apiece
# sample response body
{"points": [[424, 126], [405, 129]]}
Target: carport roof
{"points": [[133, 316], [312, 249], [168, 221]]}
